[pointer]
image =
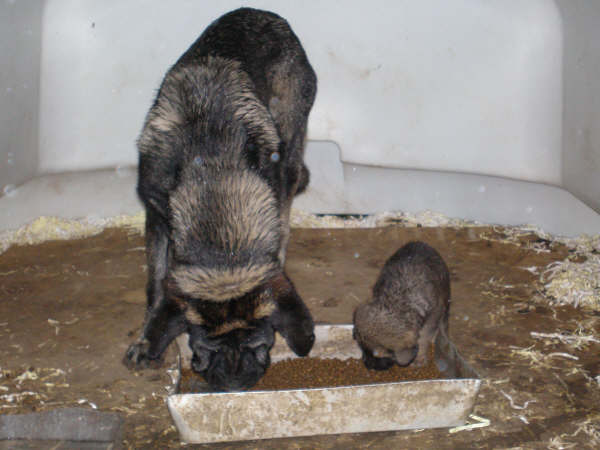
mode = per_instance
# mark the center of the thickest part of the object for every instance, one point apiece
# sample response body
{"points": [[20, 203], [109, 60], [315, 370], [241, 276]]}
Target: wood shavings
{"points": [[302, 219], [577, 284], [577, 340], [564, 385], [563, 355], [55, 228], [531, 269], [591, 427], [556, 443], [170, 429], [36, 374], [27, 375], [536, 357], [516, 235], [424, 218], [480, 422], [52, 372], [83, 401], [55, 324], [583, 244], [10, 272], [499, 283], [124, 409], [18, 396], [512, 402]]}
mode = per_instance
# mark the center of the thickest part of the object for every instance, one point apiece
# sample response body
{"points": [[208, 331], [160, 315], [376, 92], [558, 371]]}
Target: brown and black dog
{"points": [[220, 160]]}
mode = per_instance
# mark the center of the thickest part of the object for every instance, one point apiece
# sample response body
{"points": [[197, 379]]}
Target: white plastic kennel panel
{"points": [[481, 109]]}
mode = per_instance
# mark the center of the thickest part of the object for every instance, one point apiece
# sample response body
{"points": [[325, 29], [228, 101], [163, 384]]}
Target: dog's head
{"points": [[231, 339], [235, 360]]}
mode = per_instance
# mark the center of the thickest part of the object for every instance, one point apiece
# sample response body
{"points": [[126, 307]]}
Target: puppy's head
{"points": [[385, 340]]}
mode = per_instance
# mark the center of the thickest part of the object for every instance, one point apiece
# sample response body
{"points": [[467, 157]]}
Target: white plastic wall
{"points": [[464, 86], [581, 91], [474, 102], [20, 43]]}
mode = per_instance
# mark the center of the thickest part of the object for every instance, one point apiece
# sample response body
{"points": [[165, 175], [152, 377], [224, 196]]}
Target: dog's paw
{"points": [[137, 356]]}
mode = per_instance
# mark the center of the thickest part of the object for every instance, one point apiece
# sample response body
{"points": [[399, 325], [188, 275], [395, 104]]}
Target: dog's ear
{"points": [[291, 318]]}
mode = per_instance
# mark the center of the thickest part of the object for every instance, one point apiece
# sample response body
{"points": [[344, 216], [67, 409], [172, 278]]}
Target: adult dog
{"points": [[220, 160]]}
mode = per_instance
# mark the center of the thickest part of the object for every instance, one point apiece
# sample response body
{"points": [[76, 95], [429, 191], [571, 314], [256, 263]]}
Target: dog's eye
{"points": [[275, 157]]}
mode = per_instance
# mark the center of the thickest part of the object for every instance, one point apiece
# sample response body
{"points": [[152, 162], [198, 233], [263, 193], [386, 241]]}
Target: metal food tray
{"points": [[235, 416]]}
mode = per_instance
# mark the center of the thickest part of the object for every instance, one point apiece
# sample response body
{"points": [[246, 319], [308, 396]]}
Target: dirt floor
{"points": [[69, 309]]}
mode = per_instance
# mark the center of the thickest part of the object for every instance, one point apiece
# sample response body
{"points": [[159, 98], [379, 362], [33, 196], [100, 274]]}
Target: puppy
{"points": [[411, 300]]}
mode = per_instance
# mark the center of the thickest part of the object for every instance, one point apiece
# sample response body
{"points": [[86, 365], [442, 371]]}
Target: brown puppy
{"points": [[410, 304]]}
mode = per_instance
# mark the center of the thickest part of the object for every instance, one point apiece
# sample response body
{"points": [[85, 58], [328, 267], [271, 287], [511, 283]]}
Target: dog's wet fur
{"points": [[220, 161], [410, 305]]}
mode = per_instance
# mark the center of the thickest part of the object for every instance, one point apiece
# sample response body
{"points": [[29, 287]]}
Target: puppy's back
{"points": [[414, 278]]}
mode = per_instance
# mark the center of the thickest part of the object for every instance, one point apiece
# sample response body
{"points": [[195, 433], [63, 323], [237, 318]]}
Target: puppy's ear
{"points": [[291, 318]]}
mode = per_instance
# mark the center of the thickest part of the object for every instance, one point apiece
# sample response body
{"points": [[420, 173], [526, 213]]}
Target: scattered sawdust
{"points": [[590, 427], [583, 244], [556, 443], [535, 357], [17, 389], [573, 283], [477, 422], [518, 236], [55, 228], [577, 340], [513, 405], [302, 219]]}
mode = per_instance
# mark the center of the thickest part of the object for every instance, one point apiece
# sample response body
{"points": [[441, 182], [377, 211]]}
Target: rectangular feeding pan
{"points": [[234, 416]]}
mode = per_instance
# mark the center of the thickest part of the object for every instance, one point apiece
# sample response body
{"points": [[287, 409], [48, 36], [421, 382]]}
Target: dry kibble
{"points": [[304, 373], [299, 373]]}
